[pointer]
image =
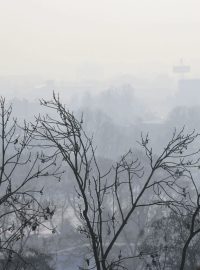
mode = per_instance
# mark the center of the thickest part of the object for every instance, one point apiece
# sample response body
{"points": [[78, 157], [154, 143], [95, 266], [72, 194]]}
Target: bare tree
{"points": [[107, 200], [21, 169], [165, 239]]}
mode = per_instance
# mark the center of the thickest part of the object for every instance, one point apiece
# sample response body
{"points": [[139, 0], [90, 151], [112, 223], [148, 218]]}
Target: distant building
{"points": [[181, 69], [189, 92]]}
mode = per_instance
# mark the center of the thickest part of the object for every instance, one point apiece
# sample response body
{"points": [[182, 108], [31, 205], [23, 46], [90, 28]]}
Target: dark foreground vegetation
{"points": [[61, 204]]}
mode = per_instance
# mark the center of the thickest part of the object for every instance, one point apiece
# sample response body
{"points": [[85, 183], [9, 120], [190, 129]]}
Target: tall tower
{"points": [[181, 69]]}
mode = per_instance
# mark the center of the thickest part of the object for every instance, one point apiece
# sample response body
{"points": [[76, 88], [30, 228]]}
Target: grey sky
{"points": [[60, 38]]}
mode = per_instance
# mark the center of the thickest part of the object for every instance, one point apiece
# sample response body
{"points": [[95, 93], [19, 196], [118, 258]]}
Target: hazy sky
{"points": [[68, 38]]}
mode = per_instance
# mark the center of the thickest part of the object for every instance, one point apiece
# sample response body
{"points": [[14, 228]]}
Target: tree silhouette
{"points": [[21, 168], [107, 200]]}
